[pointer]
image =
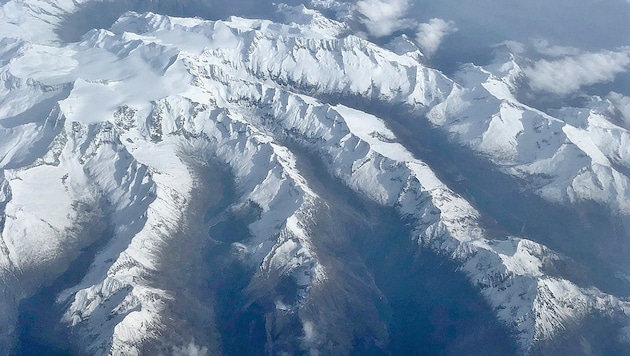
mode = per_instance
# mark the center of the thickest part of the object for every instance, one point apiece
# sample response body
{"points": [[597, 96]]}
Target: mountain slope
{"points": [[185, 154]]}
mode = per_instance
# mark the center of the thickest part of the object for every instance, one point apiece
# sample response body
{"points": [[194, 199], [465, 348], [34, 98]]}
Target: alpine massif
{"points": [[174, 185]]}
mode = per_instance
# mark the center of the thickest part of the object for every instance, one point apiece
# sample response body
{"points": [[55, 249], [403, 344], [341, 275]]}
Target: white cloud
{"points": [[309, 331], [515, 47], [569, 74], [384, 17], [543, 47], [621, 103], [191, 350], [431, 34]]}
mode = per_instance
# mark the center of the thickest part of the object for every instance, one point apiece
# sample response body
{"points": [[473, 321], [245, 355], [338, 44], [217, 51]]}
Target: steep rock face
{"points": [[152, 122]]}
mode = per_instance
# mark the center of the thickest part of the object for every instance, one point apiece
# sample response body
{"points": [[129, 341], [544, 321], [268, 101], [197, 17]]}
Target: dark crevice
{"points": [[591, 235], [426, 304], [587, 232], [240, 321], [597, 334], [39, 320], [232, 226], [41, 328], [204, 274]]}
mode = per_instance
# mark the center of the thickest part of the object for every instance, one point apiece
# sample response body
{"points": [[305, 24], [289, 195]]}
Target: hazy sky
{"points": [[588, 24], [568, 26]]}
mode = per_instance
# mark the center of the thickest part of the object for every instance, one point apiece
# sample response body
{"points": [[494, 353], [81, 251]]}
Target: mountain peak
{"points": [[180, 181]]}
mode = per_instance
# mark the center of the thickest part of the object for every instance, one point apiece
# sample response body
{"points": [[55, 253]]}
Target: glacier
{"points": [[140, 145]]}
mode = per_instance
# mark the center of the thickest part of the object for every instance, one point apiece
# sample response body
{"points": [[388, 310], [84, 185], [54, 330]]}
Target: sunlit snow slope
{"points": [[172, 185]]}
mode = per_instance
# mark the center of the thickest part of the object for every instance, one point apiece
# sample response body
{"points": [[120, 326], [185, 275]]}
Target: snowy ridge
{"points": [[131, 116], [483, 114], [137, 305], [510, 273], [575, 150], [361, 154]]}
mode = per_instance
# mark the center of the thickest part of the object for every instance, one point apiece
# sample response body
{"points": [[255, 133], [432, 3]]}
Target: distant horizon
{"points": [[586, 39]]}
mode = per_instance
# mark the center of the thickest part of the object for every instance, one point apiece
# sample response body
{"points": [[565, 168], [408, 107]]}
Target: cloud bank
{"points": [[569, 74]]}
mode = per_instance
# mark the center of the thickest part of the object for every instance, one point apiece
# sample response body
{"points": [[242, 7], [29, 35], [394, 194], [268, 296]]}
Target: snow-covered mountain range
{"points": [[178, 186]]}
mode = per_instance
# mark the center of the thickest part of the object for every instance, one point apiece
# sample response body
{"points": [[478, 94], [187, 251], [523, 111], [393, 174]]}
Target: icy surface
{"points": [[100, 130]]}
